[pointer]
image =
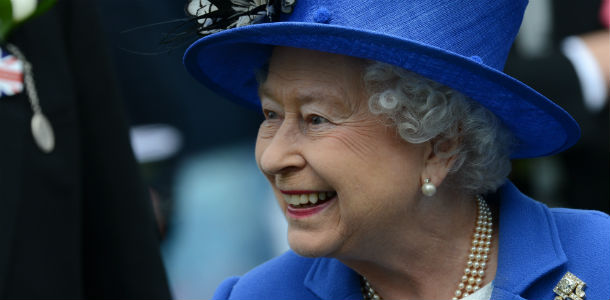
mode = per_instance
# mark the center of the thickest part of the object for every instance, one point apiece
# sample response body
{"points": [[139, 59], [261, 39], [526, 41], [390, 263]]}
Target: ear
{"points": [[440, 155]]}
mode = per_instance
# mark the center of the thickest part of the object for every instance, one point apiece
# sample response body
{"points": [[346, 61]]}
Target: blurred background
{"points": [[215, 211]]}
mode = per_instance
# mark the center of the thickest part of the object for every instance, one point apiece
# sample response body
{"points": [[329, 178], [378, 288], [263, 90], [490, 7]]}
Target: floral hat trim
{"points": [[213, 16]]}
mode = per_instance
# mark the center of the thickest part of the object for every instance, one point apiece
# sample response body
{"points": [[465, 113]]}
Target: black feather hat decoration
{"points": [[216, 15]]}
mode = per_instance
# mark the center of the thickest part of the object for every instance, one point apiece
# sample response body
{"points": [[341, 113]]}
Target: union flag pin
{"points": [[11, 74]]}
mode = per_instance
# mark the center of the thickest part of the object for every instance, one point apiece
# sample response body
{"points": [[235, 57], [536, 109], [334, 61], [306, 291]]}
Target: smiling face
{"points": [[342, 177]]}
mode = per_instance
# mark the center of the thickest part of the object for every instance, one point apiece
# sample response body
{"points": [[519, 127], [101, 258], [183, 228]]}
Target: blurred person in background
{"points": [[75, 219], [563, 51]]}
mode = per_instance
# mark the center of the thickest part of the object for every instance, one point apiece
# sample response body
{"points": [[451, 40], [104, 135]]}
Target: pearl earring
{"points": [[428, 188]]}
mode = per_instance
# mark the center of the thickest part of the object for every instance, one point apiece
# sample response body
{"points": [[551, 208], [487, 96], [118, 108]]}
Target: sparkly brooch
{"points": [[217, 15], [570, 287]]}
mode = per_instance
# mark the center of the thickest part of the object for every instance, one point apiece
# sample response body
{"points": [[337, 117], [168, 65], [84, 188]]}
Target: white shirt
{"points": [[483, 293]]}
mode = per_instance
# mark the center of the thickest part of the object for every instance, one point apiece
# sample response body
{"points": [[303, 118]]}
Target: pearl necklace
{"points": [[477, 259]]}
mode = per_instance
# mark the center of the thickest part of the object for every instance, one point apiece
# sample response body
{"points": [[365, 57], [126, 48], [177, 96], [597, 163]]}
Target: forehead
{"points": [[303, 75]]}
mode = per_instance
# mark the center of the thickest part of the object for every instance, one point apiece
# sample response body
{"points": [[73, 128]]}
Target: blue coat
{"points": [[537, 246]]}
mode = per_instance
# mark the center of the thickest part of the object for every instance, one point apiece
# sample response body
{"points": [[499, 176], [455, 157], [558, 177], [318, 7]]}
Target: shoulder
{"points": [[589, 225], [278, 278], [578, 219], [585, 239], [539, 245]]}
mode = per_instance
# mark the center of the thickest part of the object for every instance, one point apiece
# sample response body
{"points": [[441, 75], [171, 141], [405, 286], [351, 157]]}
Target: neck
{"points": [[425, 256]]}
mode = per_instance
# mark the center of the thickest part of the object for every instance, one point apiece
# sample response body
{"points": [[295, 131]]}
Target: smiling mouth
{"points": [[299, 200]]}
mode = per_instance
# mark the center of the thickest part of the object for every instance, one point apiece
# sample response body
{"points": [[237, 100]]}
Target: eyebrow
{"points": [[304, 96]]}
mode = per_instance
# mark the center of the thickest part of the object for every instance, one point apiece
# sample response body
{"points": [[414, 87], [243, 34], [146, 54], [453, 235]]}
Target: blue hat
{"points": [[462, 44]]}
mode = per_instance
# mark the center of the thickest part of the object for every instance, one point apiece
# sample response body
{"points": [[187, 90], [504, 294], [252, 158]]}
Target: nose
{"points": [[281, 153]]}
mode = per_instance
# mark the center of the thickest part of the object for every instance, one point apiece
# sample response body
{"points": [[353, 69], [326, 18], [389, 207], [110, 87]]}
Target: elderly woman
{"points": [[388, 133]]}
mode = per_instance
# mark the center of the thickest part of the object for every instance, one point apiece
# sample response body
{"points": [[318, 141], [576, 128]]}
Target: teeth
{"points": [[312, 198], [292, 199]]}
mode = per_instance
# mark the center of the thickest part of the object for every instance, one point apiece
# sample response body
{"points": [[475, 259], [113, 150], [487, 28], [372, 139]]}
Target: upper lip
{"points": [[299, 192]]}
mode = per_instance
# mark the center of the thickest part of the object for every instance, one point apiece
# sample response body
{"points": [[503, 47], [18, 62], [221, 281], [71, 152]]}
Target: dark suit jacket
{"points": [[76, 222]]}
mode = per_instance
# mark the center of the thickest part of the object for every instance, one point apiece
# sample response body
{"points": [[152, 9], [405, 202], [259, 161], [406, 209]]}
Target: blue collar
{"points": [[328, 278], [527, 230], [529, 243]]}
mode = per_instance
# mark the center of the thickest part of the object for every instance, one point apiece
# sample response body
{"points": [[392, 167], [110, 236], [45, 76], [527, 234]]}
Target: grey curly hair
{"points": [[424, 110]]}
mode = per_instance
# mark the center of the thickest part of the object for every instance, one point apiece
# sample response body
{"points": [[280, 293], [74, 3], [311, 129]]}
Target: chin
{"points": [[311, 245]]}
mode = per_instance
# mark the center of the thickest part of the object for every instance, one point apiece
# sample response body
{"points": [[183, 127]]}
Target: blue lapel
{"points": [[330, 279], [529, 245]]}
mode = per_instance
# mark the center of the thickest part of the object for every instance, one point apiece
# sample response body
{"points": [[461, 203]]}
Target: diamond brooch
{"points": [[570, 287]]}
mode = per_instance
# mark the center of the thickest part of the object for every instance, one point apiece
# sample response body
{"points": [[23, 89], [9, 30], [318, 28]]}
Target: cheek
{"points": [[372, 161], [362, 141]]}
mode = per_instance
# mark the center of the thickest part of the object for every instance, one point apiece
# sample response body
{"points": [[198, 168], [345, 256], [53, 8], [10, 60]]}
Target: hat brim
{"points": [[227, 61]]}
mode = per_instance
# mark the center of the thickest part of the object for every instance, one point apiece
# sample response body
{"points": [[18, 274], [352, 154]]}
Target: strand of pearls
{"points": [[477, 259], [368, 292]]}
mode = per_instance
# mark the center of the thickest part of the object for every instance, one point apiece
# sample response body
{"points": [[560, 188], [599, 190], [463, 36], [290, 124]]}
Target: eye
{"points": [[270, 115], [317, 120]]}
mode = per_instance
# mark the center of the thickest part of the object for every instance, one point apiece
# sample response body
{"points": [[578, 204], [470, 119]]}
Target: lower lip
{"points": [[299, 213]]}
